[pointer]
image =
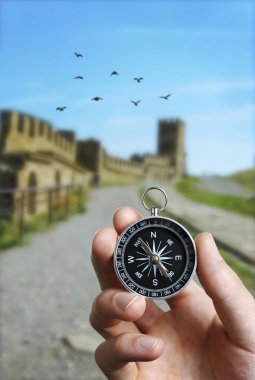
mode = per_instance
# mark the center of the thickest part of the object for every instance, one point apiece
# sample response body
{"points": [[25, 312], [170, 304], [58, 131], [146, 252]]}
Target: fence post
{"points": [[21, 214], [50, 206], [67, 201]]}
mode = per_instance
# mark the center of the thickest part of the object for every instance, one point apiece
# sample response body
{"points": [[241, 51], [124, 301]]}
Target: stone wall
{"points": [[55, 157], [34, 155], [23, 133], [122, 166]]}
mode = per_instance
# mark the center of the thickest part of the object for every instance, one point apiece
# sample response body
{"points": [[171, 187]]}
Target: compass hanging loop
{"points": [[154, 210]]}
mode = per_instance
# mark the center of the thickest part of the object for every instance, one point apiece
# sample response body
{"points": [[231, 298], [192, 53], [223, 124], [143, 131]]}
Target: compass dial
{"points": [[155, 257]]}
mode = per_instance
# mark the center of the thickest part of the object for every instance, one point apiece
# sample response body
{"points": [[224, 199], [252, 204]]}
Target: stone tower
{"points": [[171, 143]]}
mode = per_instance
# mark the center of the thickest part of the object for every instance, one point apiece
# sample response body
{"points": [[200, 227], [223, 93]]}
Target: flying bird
{"points": [[138, 79], [60, 108], [97, 98], [165, 97], [135, 103], [78, 55], [78, 77], [114, 73]]}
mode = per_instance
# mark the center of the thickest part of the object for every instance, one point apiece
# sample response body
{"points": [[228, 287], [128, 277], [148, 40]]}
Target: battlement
{"points": [[20, 132], [121, 165]]}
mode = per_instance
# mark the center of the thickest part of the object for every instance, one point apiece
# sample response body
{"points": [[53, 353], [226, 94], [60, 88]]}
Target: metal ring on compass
{"points": [[154, 188]]}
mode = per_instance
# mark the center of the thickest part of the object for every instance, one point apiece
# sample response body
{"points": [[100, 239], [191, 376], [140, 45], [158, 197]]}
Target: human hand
{"points": [[208, 333]]}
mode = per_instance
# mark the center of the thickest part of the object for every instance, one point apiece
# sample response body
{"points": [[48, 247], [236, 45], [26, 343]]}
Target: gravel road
{"points": [[46, 293]]}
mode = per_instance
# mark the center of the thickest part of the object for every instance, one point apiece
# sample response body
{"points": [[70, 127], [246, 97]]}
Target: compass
{"points": [[156, 256]]}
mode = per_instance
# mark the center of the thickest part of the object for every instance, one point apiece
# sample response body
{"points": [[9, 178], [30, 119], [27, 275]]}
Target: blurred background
{"points": [[100, 99]]}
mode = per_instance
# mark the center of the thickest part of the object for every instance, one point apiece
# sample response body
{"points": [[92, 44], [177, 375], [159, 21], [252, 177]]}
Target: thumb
{"points": [[234, 304]]}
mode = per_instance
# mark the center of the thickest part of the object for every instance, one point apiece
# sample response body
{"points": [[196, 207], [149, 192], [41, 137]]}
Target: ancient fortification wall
{"points": [[166, 164], [31, 147], [24, 133], [32, 153], [121, 166]]}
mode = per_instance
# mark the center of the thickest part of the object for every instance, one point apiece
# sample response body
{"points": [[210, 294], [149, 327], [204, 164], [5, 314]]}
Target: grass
{"points": [[189, 187], [9, 235], [9, 228], [244, 271]]}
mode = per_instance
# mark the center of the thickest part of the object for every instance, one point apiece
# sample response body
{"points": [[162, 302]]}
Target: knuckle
{"points": [[119, 343]]}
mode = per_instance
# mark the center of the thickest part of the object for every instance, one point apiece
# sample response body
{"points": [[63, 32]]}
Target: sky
{"points": [[199, 51]]}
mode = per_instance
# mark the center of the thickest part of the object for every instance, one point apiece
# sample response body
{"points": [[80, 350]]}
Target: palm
{"points": [[196, 345]]}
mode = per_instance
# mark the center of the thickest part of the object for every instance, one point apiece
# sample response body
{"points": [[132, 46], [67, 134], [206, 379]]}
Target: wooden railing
{"points": [[22, 204]]}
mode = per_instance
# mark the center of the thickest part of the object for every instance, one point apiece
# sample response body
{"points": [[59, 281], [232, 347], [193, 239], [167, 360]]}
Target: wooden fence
{"points": [[23, 204]]}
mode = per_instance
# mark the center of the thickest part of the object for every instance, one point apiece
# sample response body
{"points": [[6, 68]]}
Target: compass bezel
{"points": [[174, 228]]}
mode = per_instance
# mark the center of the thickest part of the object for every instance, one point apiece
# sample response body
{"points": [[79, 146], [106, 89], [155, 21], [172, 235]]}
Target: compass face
{"points": [[155, 257]]}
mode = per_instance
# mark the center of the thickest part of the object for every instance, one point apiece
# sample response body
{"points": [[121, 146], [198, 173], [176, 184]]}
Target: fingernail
{"points": [[124, 300], [147, 342], [214, 248]]}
